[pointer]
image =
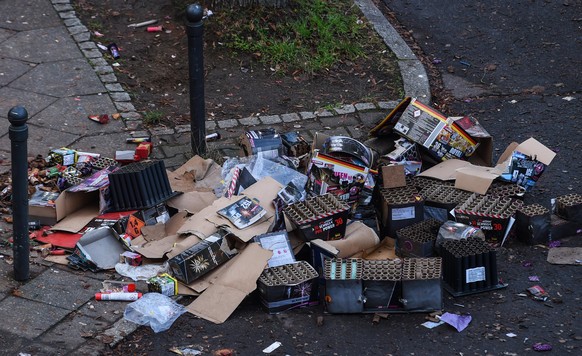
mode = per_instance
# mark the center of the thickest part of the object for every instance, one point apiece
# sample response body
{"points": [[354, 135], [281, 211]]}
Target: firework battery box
{"points": [[288, 287], [163, 284], [320, 217], [397, 208], [492, 214], [295, 144], [266, 142], [418, 240], [203, 257], [533, 224], [393, 286], [569, 207], [469, 267], [421, 284], [62, 156]]}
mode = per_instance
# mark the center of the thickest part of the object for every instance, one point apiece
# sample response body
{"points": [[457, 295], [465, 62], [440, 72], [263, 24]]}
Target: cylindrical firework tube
{"points": [[118, 296]]}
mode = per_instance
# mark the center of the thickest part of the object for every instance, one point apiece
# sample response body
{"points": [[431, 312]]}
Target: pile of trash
{"points": [[356, 227]]}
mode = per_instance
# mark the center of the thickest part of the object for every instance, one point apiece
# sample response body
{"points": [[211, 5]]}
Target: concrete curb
{"points": [[413, 73]]}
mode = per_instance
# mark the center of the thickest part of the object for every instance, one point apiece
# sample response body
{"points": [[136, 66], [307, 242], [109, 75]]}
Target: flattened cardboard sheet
{"points": [[220, 300]]}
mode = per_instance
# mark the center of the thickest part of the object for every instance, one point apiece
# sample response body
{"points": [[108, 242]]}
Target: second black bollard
{"points": [[195, 31], [18, 133]]}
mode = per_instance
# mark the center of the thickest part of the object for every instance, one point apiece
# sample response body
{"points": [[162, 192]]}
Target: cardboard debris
{"points": [[101, 246], [359, 237], [565, 256], [219, 300], [196, 174], [192, 202]]}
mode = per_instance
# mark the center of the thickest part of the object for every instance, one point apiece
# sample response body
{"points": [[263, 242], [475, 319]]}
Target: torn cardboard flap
{"points": [[220, 300], [475, 178], [196, 174], [359, 237], [192, 202], [155, 249], [159, 231]]}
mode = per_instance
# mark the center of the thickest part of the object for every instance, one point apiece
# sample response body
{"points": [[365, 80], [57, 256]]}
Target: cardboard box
{"points": [[327, 174], [288, 286], [266, 142], [443, 138], [201, 258]]}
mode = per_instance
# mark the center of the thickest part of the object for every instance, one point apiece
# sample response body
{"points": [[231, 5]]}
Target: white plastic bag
{"points": [[154, 309]]}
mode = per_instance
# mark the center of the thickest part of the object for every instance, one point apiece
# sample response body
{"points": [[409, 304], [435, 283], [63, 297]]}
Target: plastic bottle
{"points": [[118, 296], [452, 230]]}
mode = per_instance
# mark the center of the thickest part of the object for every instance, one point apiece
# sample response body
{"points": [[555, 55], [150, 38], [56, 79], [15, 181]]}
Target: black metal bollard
{"points": [[195, 30], [18, 133]]}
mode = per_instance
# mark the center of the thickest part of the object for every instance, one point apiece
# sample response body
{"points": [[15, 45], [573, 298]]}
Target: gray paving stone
{"points": [[182, 128], [105, 69], [211, 126], [372, 118], [101, 62], [345, 109], [160, 131], [225, 124], [173, 150], [75, 30], [133, 125], [10, 97], [82, 37], [365, 106], [120, 96], [63, 7], [108, 78], [336, 131], [175, 162], [61, 1], [5, 34], [335, 121], [39, 317], [306, 115], [113, 87], [87, 45], [10, 69], [42, 45], [323, 113], [61, 79], [72, 22], [60, 288], [67, 14], [71, 115], [131, 115], [387, 105], [124, 106], [92, 53], [22, 18], [68, 334], [250, 121], [291, 117], [103, 144], [270, 119]]}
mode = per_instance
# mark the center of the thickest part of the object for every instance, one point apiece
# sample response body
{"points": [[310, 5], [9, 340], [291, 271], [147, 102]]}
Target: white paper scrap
{"points": [[274, 346]]}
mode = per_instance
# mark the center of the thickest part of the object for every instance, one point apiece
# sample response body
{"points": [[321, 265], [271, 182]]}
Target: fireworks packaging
{"points": [[202, 258]]}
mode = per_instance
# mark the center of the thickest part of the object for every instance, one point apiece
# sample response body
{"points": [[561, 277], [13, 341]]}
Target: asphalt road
{"points": [[515, 67]]}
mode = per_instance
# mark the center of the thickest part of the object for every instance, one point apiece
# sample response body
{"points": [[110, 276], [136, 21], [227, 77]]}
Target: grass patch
{"points": [[309, 35], [152, 117]]}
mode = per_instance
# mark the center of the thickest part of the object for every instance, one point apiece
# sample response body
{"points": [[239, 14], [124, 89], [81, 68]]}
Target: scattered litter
{"points": [[538, 346], [274, 346], [113, 50], [553, 244], [142, 24], [538, 293], [188, 350], [98, 34], [154, 309], [103, 48], [459, 305], [568, 98], [154, 29], [534, 278], [511, 335], [527, 264], [459, 322], [432, 324], [140, 273], [102, 119], [465, 63]]}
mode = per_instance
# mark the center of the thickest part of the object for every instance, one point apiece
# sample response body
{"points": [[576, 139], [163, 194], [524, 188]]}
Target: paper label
{"points": [[403, 213], [475, 274]]}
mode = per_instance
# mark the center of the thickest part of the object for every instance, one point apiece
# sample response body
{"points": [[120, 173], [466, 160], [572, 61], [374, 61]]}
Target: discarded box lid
{"points": [[101, 246]]}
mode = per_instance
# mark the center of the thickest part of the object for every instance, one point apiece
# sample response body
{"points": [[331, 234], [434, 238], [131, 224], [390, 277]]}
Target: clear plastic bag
{"points": [[154, 309]]}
